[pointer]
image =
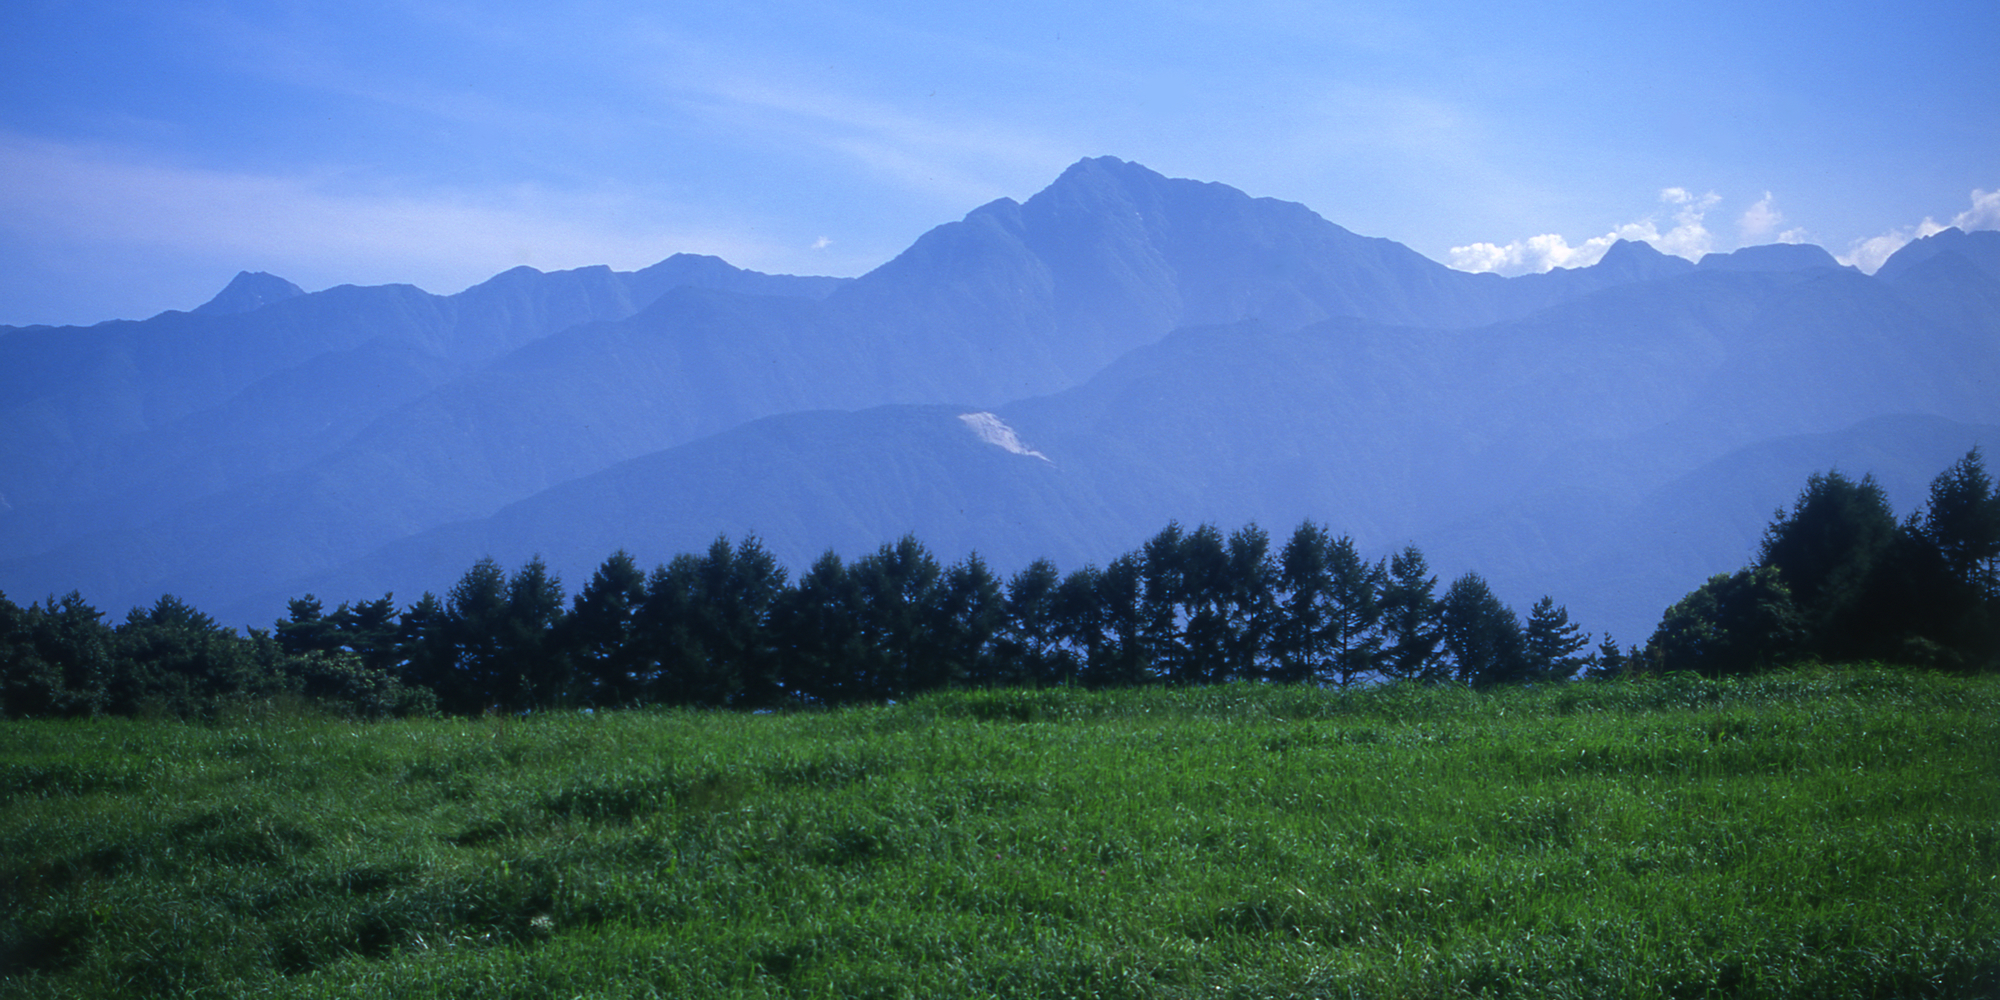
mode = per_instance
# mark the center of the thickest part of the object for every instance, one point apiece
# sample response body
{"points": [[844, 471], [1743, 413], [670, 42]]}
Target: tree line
{"points": [[726, 627], [1838, 577]]}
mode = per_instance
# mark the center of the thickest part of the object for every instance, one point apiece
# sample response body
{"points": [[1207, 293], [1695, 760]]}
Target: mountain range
{"points": [[1058, 377]]}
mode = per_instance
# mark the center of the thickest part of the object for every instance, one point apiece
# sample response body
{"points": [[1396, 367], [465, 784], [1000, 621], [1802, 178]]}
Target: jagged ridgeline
{"points": [[1051, 378]]}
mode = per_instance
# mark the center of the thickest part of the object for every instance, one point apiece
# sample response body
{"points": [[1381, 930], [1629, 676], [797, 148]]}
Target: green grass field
{"points": [[1822, 834]]}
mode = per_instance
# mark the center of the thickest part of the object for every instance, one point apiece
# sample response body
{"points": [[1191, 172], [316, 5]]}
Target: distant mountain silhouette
{"points": [[1171, 350], [249, 291], [1770, 257], [1977, 250]]}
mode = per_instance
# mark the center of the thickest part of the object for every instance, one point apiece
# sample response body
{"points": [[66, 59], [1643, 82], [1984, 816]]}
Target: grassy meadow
{"points": [[1816, 834]]}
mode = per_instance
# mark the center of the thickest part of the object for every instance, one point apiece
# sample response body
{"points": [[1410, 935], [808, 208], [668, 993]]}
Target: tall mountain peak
{"points": [[248, 291], [1981, 249]]}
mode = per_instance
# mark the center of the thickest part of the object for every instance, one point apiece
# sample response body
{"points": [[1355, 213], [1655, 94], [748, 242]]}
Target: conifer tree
{"points": [[1410, 627], [1552, 642], [425, 655], [1250, 604], [1962, 521], [1825, 549], [535, 673], [970, 615], [817, 624], [473, 632], [1305, 574], [55, 659], [601, 633], [898, 585], [1482, 634], [1121, 657], [1029, 645]]}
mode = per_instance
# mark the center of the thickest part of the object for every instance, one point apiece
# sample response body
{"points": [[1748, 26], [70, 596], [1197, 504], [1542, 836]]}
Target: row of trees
{"points": [[1837, 577], [726, 627], [61, 658]]}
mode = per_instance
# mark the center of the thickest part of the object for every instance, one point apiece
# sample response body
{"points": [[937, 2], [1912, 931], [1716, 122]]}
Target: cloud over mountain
{"points": [[1685, 237]]}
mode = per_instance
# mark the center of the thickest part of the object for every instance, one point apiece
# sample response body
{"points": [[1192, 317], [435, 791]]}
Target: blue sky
{"points": [[150, 151]]}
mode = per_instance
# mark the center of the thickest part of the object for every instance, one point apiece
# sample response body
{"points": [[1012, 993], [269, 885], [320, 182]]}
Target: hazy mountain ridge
{"points": [[113, 425], [1012, 301], [1537, 451], [1177, 350]]}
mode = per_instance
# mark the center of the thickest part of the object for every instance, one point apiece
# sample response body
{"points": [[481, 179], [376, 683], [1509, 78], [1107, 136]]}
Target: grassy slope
{"points": [[1825, 834]]}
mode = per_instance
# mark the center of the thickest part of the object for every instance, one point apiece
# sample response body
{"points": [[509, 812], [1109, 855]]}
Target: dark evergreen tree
{"points": [[175, 660], [601, 633], [535, 673], [1608, 661], [1962, 521], [1029, 648], [818, 626], [1205, 603], [739, 587], [1410, 626], [1076, 627], [1116, 612], [473, 633], [1553, 642], [306, 628], [55, 659], [369, 630], [425, 653], [1482, 634], [898, 586], [1355, 604], [1330, 631], [1305, 575], [1203, 608], [28, 687], [1824, 550], [1162, 600], [1250, 605], [676, 627], [971, 614]]}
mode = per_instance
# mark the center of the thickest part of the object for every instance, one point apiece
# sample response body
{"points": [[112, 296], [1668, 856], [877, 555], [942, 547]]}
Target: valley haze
{"points": [[1058, 377]]}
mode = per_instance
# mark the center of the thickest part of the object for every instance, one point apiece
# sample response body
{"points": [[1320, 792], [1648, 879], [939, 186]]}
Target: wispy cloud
{"points": [[1687, 236], [1759, 224], [943, 156], [1870, 254], [333, 226]]}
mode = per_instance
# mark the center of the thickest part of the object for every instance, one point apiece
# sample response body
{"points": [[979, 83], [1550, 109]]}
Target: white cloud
{"points": [[1984, 213], [1687, 237], [1759, 221], [1870, 254]]}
